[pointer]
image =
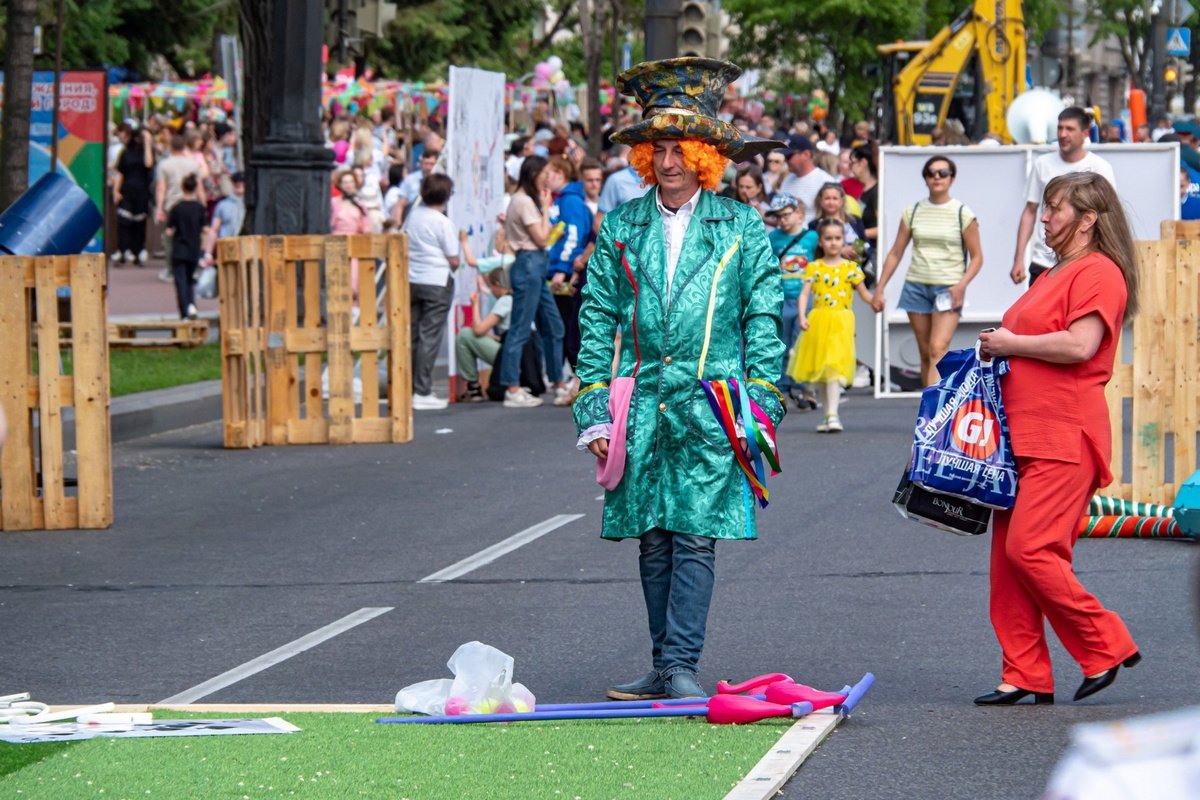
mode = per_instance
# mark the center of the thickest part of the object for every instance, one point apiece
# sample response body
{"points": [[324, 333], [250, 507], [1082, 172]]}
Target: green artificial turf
{"points": [[141, 370], [349, 755]]}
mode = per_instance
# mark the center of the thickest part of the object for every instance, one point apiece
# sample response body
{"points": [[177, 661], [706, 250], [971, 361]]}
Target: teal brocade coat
{"points": [[680, 472]]}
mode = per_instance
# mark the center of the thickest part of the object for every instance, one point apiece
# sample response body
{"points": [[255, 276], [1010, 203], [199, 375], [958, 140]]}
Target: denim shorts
{"points": [[921, 298]]}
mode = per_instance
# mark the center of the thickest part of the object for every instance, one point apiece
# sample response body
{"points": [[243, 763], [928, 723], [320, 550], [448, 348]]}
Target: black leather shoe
{"points": [[683, 684], [999, 698], [1102, 681], [651, 687]]}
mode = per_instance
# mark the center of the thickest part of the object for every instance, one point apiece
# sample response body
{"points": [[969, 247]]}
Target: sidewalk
{"points": [[137, 293]]}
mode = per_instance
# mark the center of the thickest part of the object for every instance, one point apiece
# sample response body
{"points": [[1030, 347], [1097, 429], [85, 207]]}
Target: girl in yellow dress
{"points": [[826, 351]]}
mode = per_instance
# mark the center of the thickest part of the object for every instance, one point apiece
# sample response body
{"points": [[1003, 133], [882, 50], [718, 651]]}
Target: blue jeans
{"points": [[791, 332], [678, 572], [532, 302]]}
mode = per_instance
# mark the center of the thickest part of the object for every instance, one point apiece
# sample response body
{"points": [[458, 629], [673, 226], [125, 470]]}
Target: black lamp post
{"points": [[292, 165]]}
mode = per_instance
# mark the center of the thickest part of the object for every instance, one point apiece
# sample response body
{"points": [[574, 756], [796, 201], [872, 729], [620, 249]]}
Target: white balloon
{"points": [[1033, 117], [555, 63]]}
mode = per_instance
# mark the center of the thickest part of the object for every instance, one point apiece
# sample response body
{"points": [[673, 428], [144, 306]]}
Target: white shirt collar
{"points": [[688, 207]]}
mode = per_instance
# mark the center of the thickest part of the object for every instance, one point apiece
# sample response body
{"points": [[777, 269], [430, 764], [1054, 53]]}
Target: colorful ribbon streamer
{"points": [[729, 402]]}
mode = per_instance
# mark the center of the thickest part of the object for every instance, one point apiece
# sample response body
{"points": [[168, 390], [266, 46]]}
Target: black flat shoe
{"points": [[1102, 681], [999, 698]]}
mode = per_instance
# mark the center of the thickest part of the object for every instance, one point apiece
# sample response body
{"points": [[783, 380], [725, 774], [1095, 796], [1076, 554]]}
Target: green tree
{"points": [[140, 35], [18, 73], [1128, 23], [429, 35], [832, 42]]}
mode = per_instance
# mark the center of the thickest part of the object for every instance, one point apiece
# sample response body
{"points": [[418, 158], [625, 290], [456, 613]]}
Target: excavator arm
{"points": [[991, 36]]}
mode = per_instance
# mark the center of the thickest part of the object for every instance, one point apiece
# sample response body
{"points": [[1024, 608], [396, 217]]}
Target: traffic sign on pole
{"points": [[1179, 42]]}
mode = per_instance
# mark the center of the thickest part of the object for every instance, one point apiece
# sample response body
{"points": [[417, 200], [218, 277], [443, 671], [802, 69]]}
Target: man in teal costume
{"points": [[690, 280]]}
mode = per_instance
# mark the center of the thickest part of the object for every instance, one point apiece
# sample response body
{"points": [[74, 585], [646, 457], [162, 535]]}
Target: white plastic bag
{"points": [[482, 684], [206, 282]]}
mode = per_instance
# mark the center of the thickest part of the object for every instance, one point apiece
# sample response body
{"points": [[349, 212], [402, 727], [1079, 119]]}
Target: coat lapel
{"points": [[645, 244]]}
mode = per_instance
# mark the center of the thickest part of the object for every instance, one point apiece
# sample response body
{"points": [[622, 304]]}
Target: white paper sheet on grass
{"points": [[72, 731]]}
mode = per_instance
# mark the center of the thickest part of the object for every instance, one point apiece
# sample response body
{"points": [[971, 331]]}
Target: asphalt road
{"points": [[217, 557]]}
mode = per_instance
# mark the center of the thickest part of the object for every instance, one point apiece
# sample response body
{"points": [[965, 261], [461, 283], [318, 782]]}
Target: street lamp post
{"points": [[291, 166]]}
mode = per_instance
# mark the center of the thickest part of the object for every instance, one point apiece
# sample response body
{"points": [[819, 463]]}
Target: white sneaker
{"points": [[831, 424], [141, 258], [428, 402], [192, 312], [165, 276], [862, 377], [521, 398]]}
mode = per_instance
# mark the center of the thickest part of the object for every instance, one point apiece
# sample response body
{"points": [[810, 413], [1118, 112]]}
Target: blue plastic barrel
{"points": [[55, 217]]}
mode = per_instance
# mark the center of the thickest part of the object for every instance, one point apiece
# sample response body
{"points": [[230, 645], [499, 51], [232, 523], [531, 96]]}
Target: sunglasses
{"points": [[938, 173]]}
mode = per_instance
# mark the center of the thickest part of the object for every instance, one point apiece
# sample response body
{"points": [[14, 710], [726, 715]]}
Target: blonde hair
{"points": [[699, 157], [1111, 235]]}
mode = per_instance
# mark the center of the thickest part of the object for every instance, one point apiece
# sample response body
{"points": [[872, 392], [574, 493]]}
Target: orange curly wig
{"points": [[700, 157]]}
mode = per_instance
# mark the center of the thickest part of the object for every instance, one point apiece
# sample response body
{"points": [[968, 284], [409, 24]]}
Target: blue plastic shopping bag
{"points": [[961, 445]]}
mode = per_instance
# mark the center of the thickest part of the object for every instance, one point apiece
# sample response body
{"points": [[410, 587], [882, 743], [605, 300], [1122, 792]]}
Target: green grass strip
{"points": [[141, 370], [349, 755]]}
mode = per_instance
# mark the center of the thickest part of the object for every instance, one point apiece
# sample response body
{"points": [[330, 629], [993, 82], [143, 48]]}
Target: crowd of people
{"points": [[387, 178]]}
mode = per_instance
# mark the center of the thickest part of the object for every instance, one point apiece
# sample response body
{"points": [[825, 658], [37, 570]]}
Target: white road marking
{"points": [[274, 657], [599, 497], [490, 554]]}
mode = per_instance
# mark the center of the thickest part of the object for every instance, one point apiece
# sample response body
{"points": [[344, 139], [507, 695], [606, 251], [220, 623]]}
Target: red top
{"points": [[1049, 405]]}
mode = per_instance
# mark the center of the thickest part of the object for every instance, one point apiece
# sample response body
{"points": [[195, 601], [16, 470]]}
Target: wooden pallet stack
{"points": [[300, 357], [1162, 384], [35, 491]]}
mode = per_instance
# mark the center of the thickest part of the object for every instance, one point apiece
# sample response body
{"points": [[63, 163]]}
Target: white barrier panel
{"points": [[991, 181]]}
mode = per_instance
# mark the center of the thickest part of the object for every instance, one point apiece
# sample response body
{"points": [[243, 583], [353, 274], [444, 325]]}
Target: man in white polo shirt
{"points": [[806, 178], [1072, 156]]}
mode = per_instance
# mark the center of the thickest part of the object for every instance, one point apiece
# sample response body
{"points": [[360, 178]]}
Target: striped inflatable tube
{"points": [[1106, 506], [1129, 527]]}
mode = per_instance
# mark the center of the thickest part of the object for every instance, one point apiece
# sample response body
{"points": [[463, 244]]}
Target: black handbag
{"points": [[942, 511]]}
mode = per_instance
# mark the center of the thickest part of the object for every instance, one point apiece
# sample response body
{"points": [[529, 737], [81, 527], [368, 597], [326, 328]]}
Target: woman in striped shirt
{"points": [[946, 257]]}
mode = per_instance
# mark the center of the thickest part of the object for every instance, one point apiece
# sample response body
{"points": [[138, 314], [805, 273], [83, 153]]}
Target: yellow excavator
{"points": [[971, 71]]}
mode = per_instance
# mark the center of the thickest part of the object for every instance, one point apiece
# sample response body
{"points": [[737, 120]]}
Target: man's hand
{"points": [[160, 216], [557, 281], [598, 448], [1017, 273], [877, 301]]}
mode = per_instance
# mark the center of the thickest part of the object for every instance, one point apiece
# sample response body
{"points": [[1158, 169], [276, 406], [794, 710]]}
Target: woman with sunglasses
{"points": [[946, 257]]}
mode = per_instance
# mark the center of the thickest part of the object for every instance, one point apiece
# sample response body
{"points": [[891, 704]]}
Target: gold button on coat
{"points": [[667, 360], [662, 406]]}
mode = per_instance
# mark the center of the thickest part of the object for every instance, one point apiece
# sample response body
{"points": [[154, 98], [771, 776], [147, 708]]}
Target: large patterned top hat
{"points": [[680, 98]]}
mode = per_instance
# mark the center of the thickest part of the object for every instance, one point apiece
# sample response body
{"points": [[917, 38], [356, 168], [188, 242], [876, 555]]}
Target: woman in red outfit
{"points": [[1061, 341]]}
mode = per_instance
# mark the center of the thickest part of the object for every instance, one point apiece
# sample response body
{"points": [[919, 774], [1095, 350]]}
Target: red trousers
{"points": [[1032, 579]]}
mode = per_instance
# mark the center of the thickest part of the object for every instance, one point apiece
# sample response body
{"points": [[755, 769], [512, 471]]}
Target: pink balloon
{"points": [[543, 70], [540, 82]]}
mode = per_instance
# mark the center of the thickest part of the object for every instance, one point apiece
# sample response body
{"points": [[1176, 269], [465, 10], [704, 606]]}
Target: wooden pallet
{"points": [[1162, 384], [289, 323], [33, 486], [127, 335]]}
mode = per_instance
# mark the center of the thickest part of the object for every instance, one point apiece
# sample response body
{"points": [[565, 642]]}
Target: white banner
{"points": [[474, 160]]}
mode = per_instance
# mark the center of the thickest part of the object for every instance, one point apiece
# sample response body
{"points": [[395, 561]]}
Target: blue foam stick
{"points": [[549, 716], [856, 693], [617, 704]]}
